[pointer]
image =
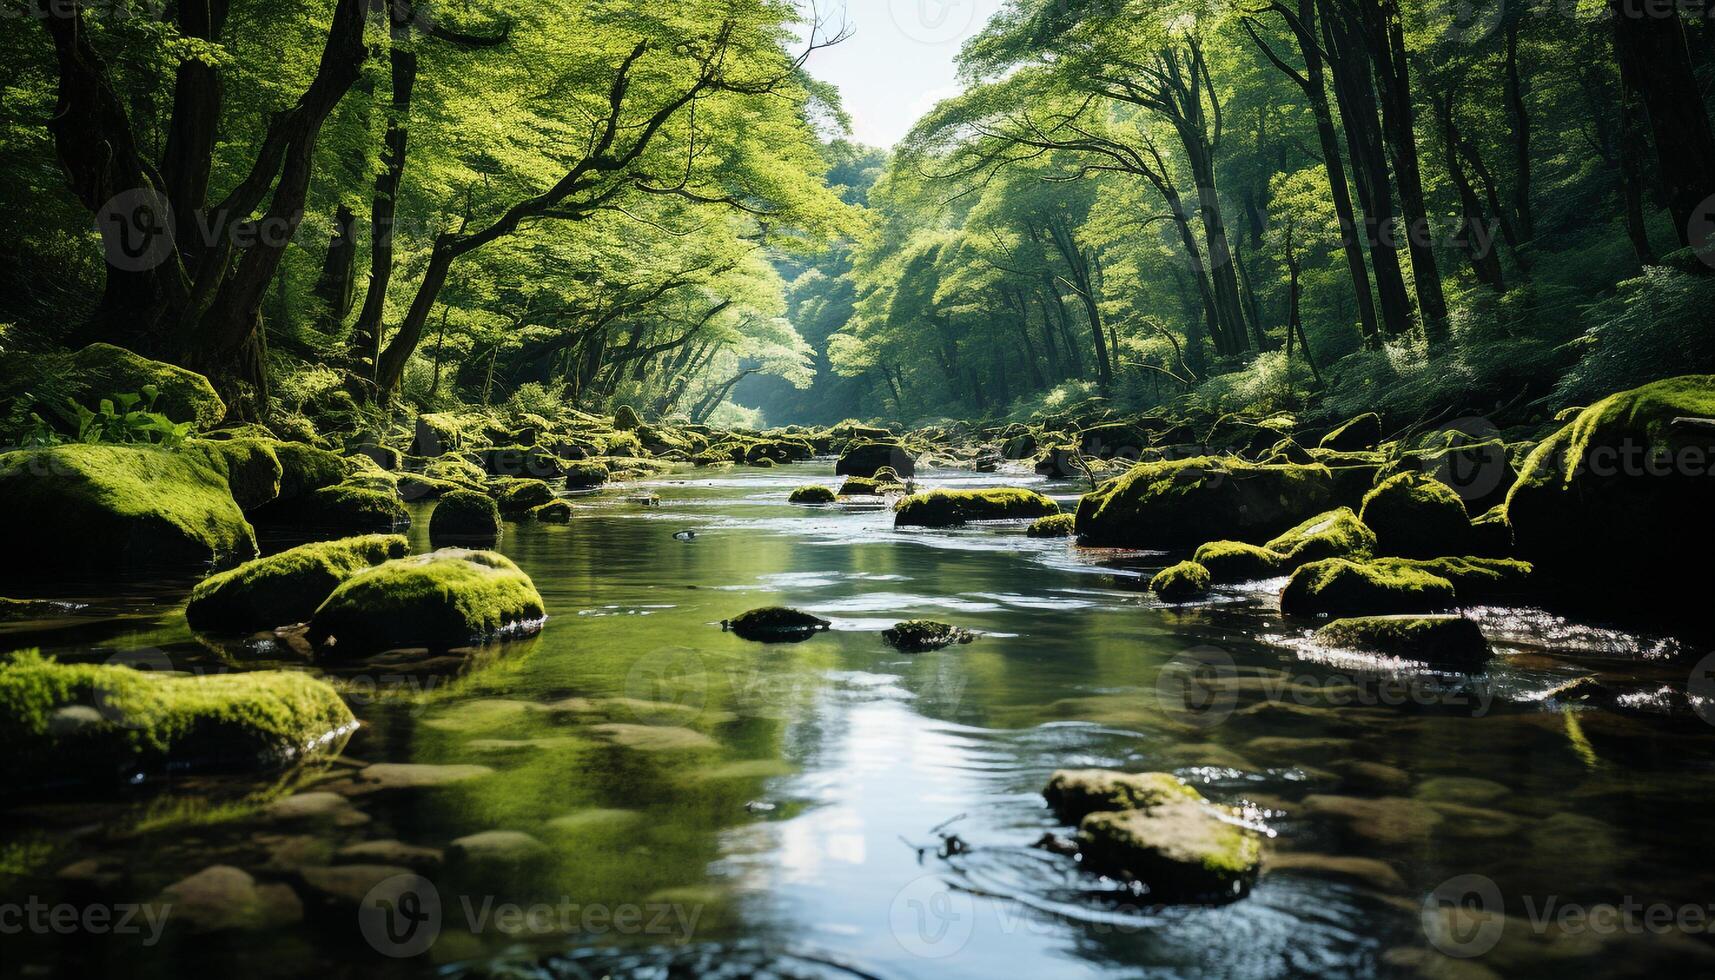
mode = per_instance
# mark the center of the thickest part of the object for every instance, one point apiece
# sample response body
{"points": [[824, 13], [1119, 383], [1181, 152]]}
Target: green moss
{"points": [[1184, 851], [108, 510], [98, 724], [865, 458], [625, 418], [922, 635], [811, 495], [306, 469], [1186, 502], [621, 444], [446, 598], [764, 463], [1235, 561], [519, 496], [773, 624], [287, 587], [1474, 579], [251, 467], [102, 371], [1074, 794], [1337, 587], [948, 508], [1451, 642], [413, 486], [1363, 432], [1416, 516], [456, 469], [351, 508], [465, 515], [585, 475], [1339, 533], [1184, 582], [552, 512], [1053, 526]]}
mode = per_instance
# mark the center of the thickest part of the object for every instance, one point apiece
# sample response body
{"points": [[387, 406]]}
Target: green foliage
{"points": [[130, 418]]}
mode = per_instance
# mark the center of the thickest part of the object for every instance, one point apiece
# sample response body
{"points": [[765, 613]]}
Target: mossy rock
{"points": [[949, 508], [287, 587], [1021, 446], [1339, 533], [1449, 642], [621, 444], [103, 370], [100, 725], [778, 451], [1185, 502], [1480, 471], [415, 486], [1492, 534], [865, 458], [1337, 587], [775, 624], [552, 512], [465, 516], [1363, 432], [1613, 503], [1053, 526], [106, 511], [455, 469], [522, 461], [251, 467], [625, 418], [1184, 582], [306, 469], [519, 496], [922, 636], [585, 476], [1182, 851], [1113, 440], [1474, 579], [17, 610], [764, 463], [1235, 561], [811, 494], [1416, 516], [351, 508], [447, 598], [1074, 794]]}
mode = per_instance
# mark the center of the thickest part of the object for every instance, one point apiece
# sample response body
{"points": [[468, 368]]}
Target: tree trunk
{"points": [[1474, 234], [1651, 48], [1631, 174], [1515, 92], [366, 336], [336, 287]]}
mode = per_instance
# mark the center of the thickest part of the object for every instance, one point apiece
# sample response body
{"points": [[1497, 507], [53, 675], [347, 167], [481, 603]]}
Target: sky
{"points": [[899, 60]]}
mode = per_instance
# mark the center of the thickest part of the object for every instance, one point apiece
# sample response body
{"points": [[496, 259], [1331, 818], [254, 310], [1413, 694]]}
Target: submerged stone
{"points": [[811, 494], [1074, 794], [1337, 587], [287, 587], [774, 624], [1182, 851], [552, 512], [446, 598], [517, 497], [949, 508], [1450, 642], [922, 635], [1184, 582], [465, 515]]}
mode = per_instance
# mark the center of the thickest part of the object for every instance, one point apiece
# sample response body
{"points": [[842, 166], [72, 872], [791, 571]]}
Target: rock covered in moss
{"points": [[103, 370], [415, 486], [1052, 526], [352, 507], [384, 456], [1074, 794], [1615, 502], [775, 624], [1183, 852], [1450, 642], [287, 587], [865, 458], [1338, 533], [251, 467], [948, 508], [465, 515], [1235, 561], [625, 418], [1180, 502], [552, 512], [16, 610], [812, 494], [585, 475], [1362, 432], [455, 469], [922, 635], [1474, 579], [1337, 587], [1184, 582], [446, 598], [517, 497], [306, 469], [69, 724], [106, 510], [1416, 516]]}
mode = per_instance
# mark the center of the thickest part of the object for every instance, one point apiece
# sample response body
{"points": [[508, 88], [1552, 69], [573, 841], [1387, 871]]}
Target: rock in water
{"points": [[1337, 587], [922, 636], [1449, 642], [1184, 582], [811, 494], [586, 475], [1074, 794], [775, 624], [106, 511], [1188, 501], [1235, 561], [287, 587], [446, 598], [465, 516], [865, 458], [1052, 526], [1336, 534], [949, 508], [1416, 516], [67, 724]]}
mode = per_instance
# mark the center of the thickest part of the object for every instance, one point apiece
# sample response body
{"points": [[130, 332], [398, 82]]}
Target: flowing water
{"points": [[698, 804]]}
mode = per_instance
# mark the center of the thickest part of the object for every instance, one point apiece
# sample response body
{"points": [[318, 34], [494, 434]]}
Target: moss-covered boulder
{"points": [[455, 469], [1189, 501], [552, 512], [415, 486], [1020, 446], [1363, 432], [352, 507], [922, 636], [1182, 852], [949, 508], [812, 494], [251, 467], [775, 624], [105, 511], [517, 497], [1053, 526], [1074, 794], [103, 370], [1474, 579], [446, 598], [1615, 504], [1235, 561], [287, 587], [625, 418], [585, 475], [1184, 582], [1337, 587], [306, 469], [865, 458], [436, 433], [67, 725], [465, 516], [1339, 533], [1416, 516], [1448, 642], [522, 461]]}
